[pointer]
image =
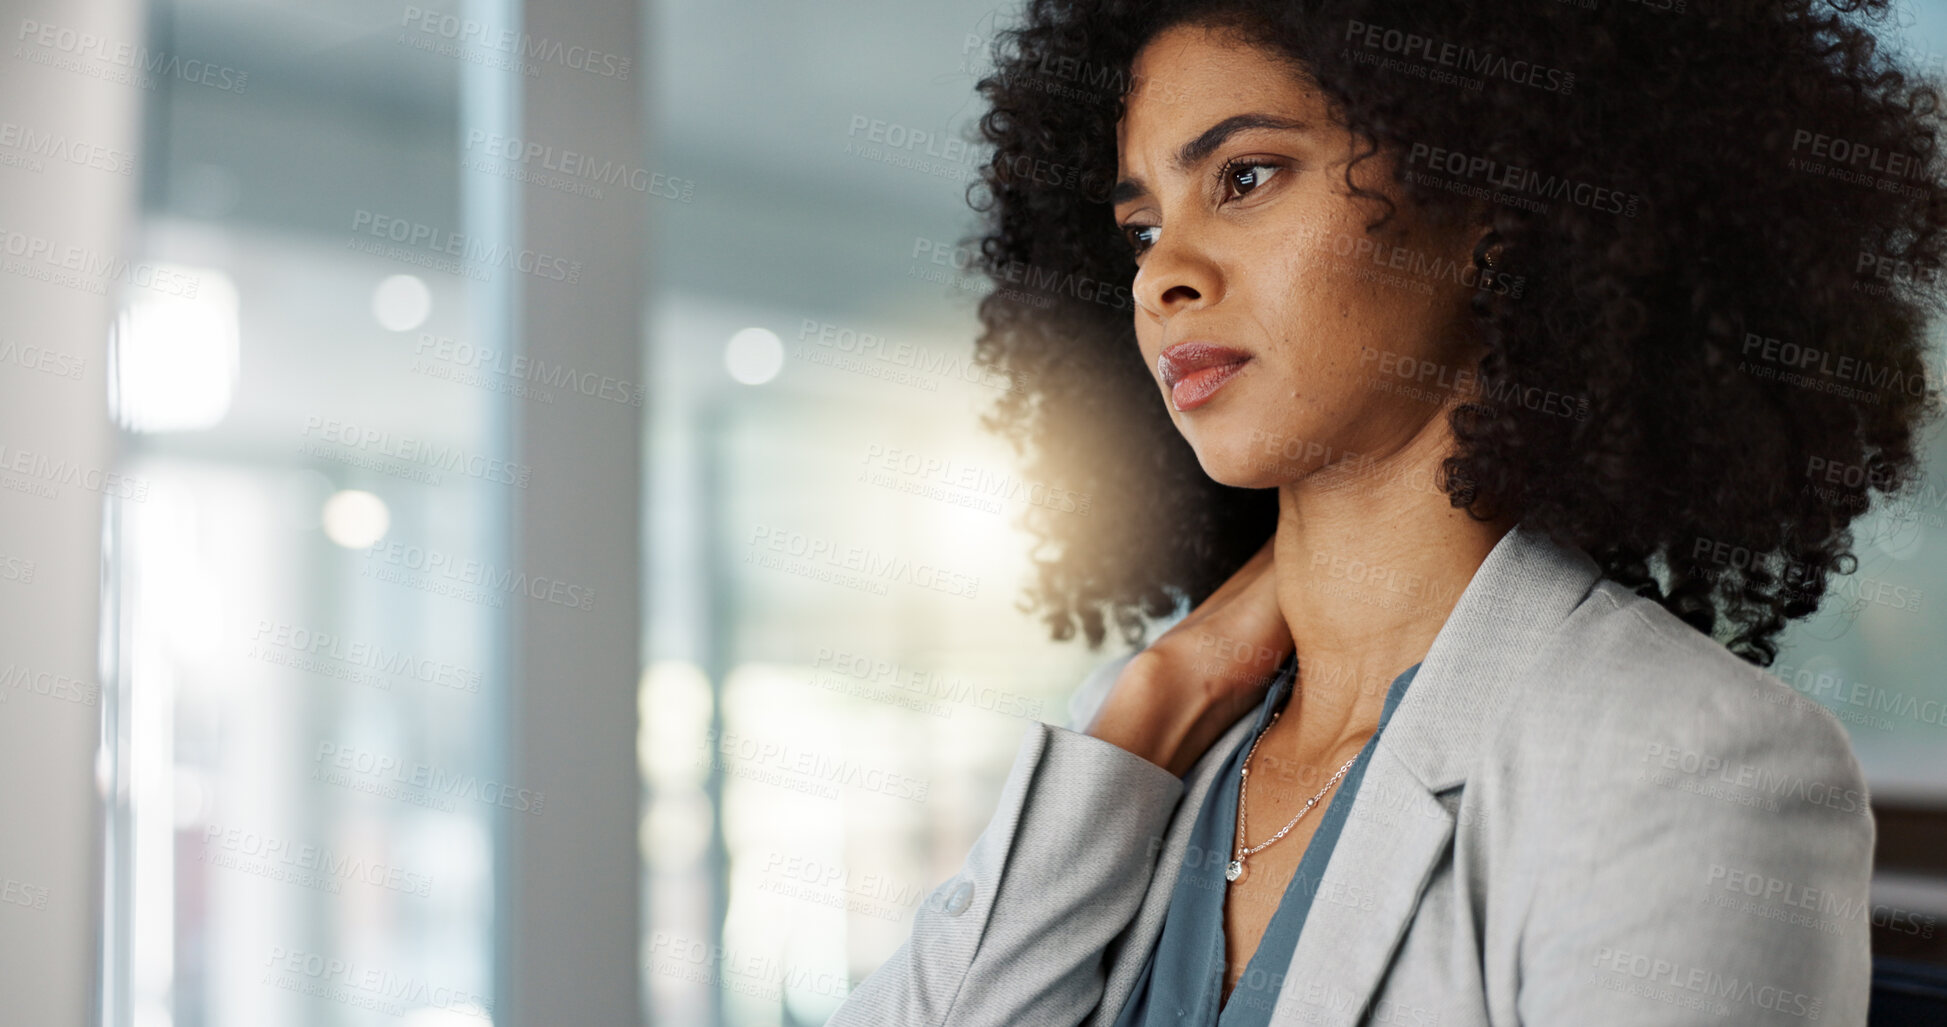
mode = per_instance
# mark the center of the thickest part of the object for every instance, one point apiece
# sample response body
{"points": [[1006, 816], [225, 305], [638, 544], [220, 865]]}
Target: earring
{"points": [[1487, 252]]}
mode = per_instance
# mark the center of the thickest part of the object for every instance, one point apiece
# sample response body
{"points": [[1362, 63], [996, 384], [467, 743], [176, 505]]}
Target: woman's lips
{"points": [[1194, 371], [1196, 389]]}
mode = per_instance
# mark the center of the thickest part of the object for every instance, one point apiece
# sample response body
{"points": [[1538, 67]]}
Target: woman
{"points": [[1463, 390]]}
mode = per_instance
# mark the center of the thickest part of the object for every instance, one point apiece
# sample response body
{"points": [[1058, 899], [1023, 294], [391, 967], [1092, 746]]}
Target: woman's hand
{"points": [[1175, 698]]}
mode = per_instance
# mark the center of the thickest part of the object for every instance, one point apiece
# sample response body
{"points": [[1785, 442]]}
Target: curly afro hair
{"points": [[1728, 223]]}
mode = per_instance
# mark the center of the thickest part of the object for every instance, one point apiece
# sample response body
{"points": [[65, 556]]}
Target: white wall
{"points": [[48, 625]]}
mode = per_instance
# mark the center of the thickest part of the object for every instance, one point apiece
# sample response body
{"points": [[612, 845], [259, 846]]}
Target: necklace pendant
{"points": [[1235, 870]]}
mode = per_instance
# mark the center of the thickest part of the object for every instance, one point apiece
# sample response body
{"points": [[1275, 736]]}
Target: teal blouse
{"points": [[1182, 983]]}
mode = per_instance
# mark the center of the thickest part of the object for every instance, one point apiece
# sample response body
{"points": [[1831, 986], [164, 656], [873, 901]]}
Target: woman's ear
{"points": [[1487, 249]]}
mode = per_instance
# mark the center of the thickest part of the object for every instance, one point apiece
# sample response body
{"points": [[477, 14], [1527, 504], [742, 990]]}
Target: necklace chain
{"points": [[1236, 868]]}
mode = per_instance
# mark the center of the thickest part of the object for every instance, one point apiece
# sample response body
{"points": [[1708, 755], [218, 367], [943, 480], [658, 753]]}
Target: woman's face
{"points": [[1295, 338]]}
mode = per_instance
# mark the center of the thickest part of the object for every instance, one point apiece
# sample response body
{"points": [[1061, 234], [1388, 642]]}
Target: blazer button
{"points": [[961, 898]]}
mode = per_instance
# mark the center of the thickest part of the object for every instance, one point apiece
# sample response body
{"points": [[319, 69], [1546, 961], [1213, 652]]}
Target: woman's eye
{"points": [[1241, 177], [1140, 237]]}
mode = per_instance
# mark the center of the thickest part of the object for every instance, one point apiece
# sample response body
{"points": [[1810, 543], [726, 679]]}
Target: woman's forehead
{"points": [[1190, 77]]}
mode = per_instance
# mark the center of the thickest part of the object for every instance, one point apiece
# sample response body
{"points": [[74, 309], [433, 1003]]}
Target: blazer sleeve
{"points": [[1018, 936], [1718, 873]]}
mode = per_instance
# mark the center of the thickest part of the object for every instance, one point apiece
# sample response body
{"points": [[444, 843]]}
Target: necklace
{"points": [[1236, 868]]}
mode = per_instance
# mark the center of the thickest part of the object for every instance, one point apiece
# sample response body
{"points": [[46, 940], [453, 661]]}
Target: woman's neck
{"points": [[1370, 559]]}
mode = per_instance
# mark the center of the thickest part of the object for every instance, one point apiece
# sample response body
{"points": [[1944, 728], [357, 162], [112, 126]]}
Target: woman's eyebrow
{"points": [[1196, 150]]}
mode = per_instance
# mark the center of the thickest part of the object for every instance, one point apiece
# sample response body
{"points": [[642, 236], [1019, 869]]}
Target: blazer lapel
{"points": [[1398, 831], [1139, 939], [1394, 837]]}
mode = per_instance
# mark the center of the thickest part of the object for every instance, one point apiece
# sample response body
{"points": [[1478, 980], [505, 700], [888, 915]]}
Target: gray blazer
{"points": [[1583, 811]]}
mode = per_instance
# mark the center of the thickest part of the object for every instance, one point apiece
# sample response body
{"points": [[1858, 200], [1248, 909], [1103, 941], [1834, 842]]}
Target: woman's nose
{"points": [[1175, 277]]}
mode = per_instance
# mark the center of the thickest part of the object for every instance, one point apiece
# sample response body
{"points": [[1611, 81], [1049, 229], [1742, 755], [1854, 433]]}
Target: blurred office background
{"points": [[495, 527]]}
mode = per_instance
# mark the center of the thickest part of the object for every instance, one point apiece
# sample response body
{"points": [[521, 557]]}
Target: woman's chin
{"points": [[1244, 463]]}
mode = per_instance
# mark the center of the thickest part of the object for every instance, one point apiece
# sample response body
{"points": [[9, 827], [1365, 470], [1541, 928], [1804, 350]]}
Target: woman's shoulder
{"points": [[1624, 680], [1629, 693], [1646, 796], [1649, 670]]}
